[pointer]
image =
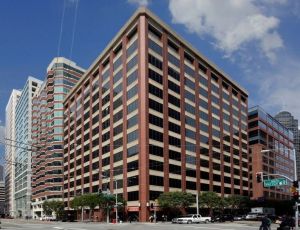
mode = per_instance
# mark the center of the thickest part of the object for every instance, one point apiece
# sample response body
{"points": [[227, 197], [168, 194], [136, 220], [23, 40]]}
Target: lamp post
{"points": [[116, 195], [295, 179]]}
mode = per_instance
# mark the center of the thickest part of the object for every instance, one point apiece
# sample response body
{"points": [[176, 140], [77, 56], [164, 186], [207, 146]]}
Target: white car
{"points": [[191, 218], [251, 216]]}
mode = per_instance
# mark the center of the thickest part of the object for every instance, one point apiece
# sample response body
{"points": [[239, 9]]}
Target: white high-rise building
{"points": [[10, 150], [24, 149]]}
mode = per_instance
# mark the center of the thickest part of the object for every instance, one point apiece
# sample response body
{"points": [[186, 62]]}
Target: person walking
{"points": [[265, 223]]}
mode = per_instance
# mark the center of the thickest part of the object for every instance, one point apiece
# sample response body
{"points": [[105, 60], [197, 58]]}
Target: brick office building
{"points": [[47, 132], [154, 115], [266, 133]]}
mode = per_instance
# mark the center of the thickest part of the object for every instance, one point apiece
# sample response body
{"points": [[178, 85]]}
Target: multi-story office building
{"points": [[153, 115], [266, 133], [10, 150], [47, 132], [25, 149], [1, 173], [2, 199], [291, 123]]}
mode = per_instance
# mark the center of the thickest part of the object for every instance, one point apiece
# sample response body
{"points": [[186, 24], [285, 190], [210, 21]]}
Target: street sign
{"points": [[275, 182]]}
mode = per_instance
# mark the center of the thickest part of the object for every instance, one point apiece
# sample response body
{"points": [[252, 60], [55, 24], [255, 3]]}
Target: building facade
{"points": [[266, 133], [47, 132], [24, 149], [152, 115], [1, 173], [10, 151], [3, 210], [291, 123]]}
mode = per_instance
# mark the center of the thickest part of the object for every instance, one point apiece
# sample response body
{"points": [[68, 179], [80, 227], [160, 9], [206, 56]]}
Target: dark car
{"points": [[223, 218]]}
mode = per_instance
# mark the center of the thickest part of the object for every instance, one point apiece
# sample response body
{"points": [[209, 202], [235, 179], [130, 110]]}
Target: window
{"points": [[155, 120], [189, 70], [175, 61], [174, 183], [155, 91], [155, 105], [174, 100], [175, 169], [173, 73], [174, 114], [189, 83], [132, 107], [132, 151], [132, 121], [155, 47], [132, 63], [156, 150], [174, 155], [174, 87], [132, 77], [156, 165], [154, 61], [132, 92], [155, 76], [133, 196], [155, 135], [132, 48], [132, 136], [174, 141], [173, 127]]}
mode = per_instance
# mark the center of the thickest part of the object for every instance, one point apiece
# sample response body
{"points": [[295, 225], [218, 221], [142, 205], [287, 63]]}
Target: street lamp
{"points": [[116, 194], [295, 179]]}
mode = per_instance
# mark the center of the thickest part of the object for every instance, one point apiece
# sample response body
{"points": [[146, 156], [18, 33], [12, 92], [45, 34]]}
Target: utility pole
{"points": [[197, 202], [116, 202], [82, 206], [296, 179]]}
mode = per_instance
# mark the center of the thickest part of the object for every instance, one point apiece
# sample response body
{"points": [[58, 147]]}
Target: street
{"points": [[19, 224]]}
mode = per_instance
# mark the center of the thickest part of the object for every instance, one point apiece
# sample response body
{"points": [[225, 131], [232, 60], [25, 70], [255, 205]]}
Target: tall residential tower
{"points": [[10, 151], [47, 132], [25, 149]]}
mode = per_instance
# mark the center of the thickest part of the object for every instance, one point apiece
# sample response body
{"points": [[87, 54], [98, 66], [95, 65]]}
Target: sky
{"points": [[256, 42]]}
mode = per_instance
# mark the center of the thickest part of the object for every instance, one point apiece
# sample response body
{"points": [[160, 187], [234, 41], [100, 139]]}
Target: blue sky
{"points": [[255, 41]]}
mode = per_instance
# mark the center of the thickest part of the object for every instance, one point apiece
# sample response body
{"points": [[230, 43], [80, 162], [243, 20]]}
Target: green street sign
{"points": [[275, 182]]}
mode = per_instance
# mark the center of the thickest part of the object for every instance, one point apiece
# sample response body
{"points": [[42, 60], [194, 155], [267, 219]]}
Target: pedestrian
{"points": [[163, 218], [151, 218], [265, 223]]}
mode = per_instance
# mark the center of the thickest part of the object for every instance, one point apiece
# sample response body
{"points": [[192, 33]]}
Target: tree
{"points": [[210, 200], [236, 201], [47, 208], [175, 200], [53, 206], [91, 201], [107, 202]]}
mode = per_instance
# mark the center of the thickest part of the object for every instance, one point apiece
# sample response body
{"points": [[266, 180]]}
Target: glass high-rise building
{"points": [[288, 120], [47, 132], [10, 151], [153, 115], [24, 148], [266, 133]]}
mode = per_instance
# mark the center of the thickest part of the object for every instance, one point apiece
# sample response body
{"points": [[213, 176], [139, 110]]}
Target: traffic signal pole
{"points": [[296, 203]]}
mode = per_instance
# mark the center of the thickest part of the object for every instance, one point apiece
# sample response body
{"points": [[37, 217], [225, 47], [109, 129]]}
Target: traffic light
{"points": [[295, 196], [259, 177], [294, 190], [99, 191]]}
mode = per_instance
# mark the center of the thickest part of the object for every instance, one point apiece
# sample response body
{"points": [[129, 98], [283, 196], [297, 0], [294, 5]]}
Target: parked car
{"points": [[239, 217], [251, 216], [192, 218], [223, 218]]}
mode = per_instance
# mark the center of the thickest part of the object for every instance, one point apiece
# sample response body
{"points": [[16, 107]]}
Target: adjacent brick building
{"points": [[266, 133], [155, 115]]}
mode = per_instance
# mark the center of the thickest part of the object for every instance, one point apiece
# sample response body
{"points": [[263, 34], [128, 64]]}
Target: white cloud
{"points": [[139, 2], [233, 24], [2, 134], [277, 89]]}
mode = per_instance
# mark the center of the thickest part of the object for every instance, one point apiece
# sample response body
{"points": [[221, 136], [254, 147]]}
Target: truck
{"points": [[258, 212], [263, 210], [192, 219]]}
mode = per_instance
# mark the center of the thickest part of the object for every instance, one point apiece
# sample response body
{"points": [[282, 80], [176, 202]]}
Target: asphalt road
{"points": [[26, 225]]}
